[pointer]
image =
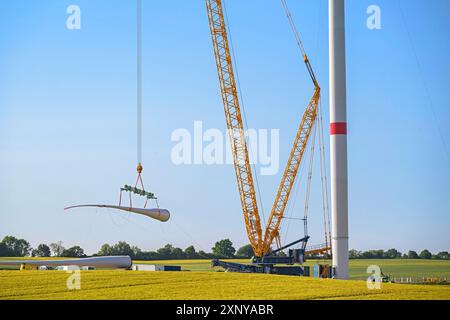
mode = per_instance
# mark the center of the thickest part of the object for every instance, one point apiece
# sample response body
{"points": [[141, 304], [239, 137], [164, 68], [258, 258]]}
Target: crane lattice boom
{"points": [[298, 149], [234, 123], [290, 173]]}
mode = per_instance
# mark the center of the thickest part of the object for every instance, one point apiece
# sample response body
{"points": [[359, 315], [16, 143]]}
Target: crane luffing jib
{"points": [[298, 149], [260, 245], [234, 123], [290, 172]]}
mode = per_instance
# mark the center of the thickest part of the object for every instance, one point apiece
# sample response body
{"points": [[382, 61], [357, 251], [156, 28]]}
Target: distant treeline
{"points": [[13, 247], [395, 254]]}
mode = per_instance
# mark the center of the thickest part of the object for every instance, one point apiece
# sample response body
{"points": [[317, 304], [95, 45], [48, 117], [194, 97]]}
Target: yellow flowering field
{"points": [[121, 284]]}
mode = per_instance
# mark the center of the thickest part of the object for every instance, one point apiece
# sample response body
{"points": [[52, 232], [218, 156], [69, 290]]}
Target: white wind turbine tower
{"points": [[338, 139]]}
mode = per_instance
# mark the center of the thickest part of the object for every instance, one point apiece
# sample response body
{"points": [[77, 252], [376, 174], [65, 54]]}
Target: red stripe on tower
{"points": [[338, 128]]}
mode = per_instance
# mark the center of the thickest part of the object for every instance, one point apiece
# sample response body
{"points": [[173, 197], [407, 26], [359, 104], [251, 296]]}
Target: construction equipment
{"points": [[135, 190], [140, 168], [234, 123], [265, 258], [138, 189]]}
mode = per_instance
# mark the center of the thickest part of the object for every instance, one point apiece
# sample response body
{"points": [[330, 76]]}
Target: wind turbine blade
{"points": [[162, 215]]}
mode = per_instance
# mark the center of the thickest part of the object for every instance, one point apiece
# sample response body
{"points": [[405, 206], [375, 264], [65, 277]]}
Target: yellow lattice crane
{"points": [[234, 123], [261, 245]]}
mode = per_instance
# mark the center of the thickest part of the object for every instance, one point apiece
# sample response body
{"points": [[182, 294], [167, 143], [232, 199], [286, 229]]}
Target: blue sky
{"points": [[67, 118]]}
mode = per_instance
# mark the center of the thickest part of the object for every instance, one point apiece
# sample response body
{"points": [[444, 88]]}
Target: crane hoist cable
{"points": [[324, 180], [289, 214], [138, 188], [139, 81], [299, 41], [307, 193], [326, 246], [162, 215], [309, 180]]}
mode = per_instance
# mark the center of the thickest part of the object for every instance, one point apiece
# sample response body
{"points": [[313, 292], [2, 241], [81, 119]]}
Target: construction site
{"points": [[300, 250]]}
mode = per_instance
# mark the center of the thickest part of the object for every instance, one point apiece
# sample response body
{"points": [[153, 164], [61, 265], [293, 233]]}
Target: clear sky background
{"points": [[67, 118]]}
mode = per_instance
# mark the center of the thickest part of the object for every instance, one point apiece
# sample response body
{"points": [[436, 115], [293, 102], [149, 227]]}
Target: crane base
{"points": [[260, 268], [273, 260]]}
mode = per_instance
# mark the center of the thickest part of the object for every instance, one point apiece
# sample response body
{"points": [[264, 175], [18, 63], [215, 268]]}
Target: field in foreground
{"points": [[199, 285], [396, 267], [199, 281]]}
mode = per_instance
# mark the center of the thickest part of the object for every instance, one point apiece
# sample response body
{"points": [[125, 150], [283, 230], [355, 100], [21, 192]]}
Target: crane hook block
{"points": [[139, 192], [140, 168]]}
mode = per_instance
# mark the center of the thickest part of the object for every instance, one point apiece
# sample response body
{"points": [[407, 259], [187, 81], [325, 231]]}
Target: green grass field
{"points": [[201, 283], [396, 267]]}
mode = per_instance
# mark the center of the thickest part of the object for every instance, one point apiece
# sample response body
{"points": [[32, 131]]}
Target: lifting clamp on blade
{"points": [[138, 191]]}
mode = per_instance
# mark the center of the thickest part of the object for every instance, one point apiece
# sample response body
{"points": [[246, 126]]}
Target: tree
{"points": [[151, 255], [224, 248], [166, 251], [393, 254], [137, 253], [190, 252], [327, 256], [444, 255], [378, 254], [122, 248], [373, 254], [4, 252], [412, 255], [74, 252], [245, 251], [105, 250], [16, 247], [57, 248], [42, 250], [177, 253], [425, 254], [203, 254], [354, 254]]}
